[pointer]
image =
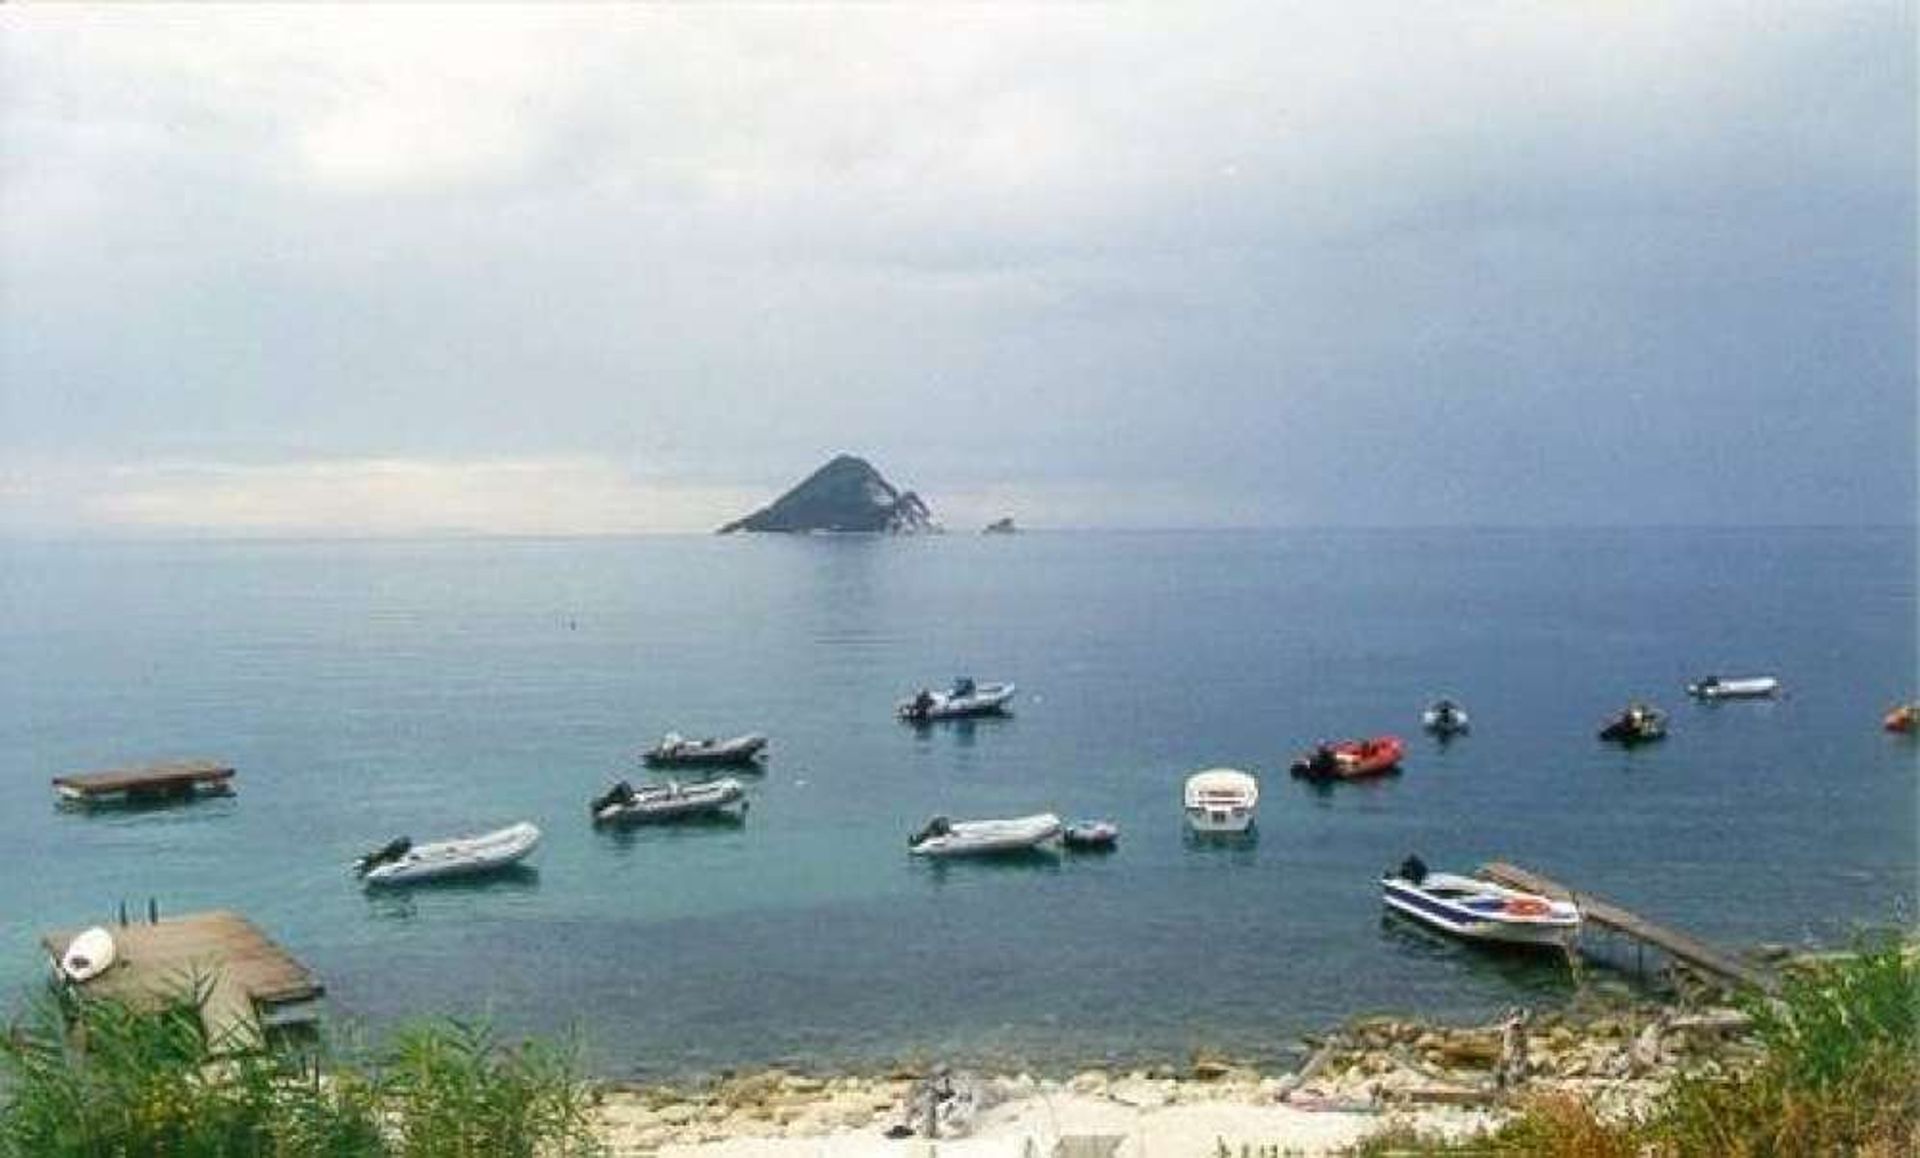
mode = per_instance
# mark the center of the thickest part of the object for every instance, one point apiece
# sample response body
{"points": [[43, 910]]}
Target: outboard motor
{"points": [[621, 793], [391, 851], [938, 826], [1413, 870]]}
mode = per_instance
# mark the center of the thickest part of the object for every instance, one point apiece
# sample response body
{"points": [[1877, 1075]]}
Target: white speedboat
{"points": [[677, 751], [1221, 800], [402, 862], [1478, 910], [943, 837], [1445, 718], [964, 698], [659, 803], [1745, 688]]}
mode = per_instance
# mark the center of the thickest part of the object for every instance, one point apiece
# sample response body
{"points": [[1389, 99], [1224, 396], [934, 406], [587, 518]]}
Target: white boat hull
{"points": [[460, 857], [1219, 820], [985, 700], [1221, 800], [1756, 688], [989, 837], [666, 803], [1479, 910], [678, 751]]}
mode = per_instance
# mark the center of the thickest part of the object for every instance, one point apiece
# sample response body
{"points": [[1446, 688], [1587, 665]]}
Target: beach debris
{"points": [[1511, 1072]]}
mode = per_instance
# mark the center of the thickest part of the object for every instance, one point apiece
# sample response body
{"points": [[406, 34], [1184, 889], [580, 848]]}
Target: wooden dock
{"points": [[1600, 912], [177, 780], [251, 979]]}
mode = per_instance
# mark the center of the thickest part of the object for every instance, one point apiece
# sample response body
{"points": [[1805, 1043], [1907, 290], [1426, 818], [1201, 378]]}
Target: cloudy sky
{"points": [[623, 268]]}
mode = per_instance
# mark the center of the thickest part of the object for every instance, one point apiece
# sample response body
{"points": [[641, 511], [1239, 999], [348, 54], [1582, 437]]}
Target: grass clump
{"points": [[1840, 1074], [97, 1078]]}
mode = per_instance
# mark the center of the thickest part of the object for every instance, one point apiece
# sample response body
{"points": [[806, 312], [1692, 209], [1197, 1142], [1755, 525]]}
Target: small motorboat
{"points": [[402, 862], [1903, 719], [661, 803], [1221, 800], [942, 837], [1444, 718], [676, 751], [1351, 759], [1745, 688], [1636, 724], [965, 698], [1478, 910], [1091, 836], [91, 954]]}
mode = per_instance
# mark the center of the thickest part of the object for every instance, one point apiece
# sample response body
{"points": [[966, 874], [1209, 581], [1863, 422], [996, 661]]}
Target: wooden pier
{"points": [[1600, 912], [178, 780], [251, 982]]}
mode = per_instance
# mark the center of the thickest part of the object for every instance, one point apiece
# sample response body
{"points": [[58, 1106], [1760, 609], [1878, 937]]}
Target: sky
{"points": [[612, 269]]}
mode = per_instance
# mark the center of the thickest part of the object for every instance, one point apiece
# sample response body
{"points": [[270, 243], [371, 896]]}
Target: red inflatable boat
{"points": [[1351, 759]]}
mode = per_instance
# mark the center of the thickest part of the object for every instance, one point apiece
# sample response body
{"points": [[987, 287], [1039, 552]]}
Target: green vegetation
{"points": [[96, 1078], [1841, 1075]]}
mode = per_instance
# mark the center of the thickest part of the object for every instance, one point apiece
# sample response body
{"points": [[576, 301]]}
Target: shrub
{"points": [[97, 1078], [1840, 1075]]}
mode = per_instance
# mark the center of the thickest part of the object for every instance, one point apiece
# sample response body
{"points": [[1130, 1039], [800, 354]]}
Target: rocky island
{"points": [[846, 495]]}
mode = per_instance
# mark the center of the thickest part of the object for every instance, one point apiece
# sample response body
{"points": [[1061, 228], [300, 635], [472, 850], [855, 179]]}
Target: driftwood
{"points": [[1449, 1096], [1714, 1021], [1292, 1082]]}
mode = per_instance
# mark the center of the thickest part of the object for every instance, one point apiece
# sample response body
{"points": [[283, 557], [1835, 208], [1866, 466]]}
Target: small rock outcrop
{"points": [[845, 495]]}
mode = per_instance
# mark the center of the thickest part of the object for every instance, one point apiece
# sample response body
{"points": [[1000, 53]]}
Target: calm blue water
{"points": [[368, 689]]}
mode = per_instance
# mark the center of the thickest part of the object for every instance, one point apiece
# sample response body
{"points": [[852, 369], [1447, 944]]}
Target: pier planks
{"points": [[160, 962], [1608, 915], [178, 778]]}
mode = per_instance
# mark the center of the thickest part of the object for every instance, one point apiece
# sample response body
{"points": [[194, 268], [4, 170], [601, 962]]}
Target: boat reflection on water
{"points": [[520, 880], [698, 826], [1534, 972]]}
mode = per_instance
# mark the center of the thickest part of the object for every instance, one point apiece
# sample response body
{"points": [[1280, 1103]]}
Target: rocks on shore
{"points": [[1618, 1058]]}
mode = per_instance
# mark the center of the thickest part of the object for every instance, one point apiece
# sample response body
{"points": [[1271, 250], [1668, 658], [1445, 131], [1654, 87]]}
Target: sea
{"points": [[433, 688]]}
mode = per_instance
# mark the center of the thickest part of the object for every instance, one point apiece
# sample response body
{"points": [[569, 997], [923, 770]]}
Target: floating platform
{"points": [[250, 983], [1601, 913], [151, 783]]}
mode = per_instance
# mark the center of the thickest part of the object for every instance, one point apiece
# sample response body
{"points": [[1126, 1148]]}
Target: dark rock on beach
{"points": [[846, 495]]}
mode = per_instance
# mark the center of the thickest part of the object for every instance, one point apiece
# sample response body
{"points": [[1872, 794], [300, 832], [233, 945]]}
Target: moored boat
{"points": [[677, 751], [1744, 688], [1903, 719], [1220, 800], [1351, 759], [1445, 718], [402, 862], [1636, 724], [942, 837], [1478, 910], [965, 698], [1091, 835], [660, 803]]}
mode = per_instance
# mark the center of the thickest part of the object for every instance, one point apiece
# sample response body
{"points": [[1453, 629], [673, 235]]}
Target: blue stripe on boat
{"points": [[1425, 903]]}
